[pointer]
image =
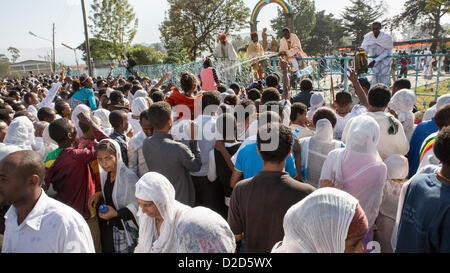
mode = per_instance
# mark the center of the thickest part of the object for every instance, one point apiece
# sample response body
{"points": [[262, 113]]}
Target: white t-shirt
{"points": [[51, 227]]}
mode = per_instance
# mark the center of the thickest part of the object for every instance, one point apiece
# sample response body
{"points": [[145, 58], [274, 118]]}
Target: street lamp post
{"points": [[75, 53], [86, 33], [53, 45]]}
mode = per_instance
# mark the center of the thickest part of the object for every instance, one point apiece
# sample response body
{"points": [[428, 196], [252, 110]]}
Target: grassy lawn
{"points": [[430, 90]]}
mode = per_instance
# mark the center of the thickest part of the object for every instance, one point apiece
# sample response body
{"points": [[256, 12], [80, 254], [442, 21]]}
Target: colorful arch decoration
{"points": [[283, 4]]}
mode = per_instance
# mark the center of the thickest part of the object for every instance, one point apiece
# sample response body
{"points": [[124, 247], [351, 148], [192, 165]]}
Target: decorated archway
{"points": [[287, 9]]}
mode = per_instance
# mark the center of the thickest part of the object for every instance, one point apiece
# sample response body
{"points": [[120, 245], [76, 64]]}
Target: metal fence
{"points": [[327, 73]]}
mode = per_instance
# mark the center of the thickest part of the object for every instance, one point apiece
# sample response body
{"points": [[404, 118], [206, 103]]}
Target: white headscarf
{"points": [[319, 223], [48, 144], [20, 133], [138, 106], [317, 100], [315, 150], [201, 230], [103, 116], [5, 150], [156, 187], [403, 103], [397, 167], [442, 101], [81, 108], [140, 94]]}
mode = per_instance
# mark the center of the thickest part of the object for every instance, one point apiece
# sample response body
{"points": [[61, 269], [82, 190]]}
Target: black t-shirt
{"points": [[303, 97], [258, 206]]}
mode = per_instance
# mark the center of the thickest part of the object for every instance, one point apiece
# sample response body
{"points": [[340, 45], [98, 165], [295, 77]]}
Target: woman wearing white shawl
{"points": [[397, 173], [315, 150], [158, 214], [122, 216], [81, 108], [140, 94], [48, 144], [326, 221], [201, 230], [402, 103], [358, 169], [103, 116], [20, 133], [317, 100], [138, 106]]}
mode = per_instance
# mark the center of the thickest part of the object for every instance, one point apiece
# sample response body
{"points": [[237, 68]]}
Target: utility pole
{"points": [[54, 53], [88, 50]]}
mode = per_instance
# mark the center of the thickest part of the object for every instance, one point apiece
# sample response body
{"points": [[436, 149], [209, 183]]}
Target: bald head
{"points": [[26, 164], [21, 176]]}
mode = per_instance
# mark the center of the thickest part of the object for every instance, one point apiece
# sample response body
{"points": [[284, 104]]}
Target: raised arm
{"points": [[358, 88], [286, 81]]}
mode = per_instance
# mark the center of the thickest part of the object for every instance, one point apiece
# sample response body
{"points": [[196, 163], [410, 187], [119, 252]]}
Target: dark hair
{"points": [[442, 117], [379, 95], [159, 114], [28, 96], [442, 145], [207, 63], [221, 88], [16, 106], [157, 96], [236, 88], [23, 113], [273, 106], [377, 23], [306, 85], [210, 98], [297, 108], [13, 93], [250, 110], [272, 81], [253, 94], [188, 81], [45, 113], [115, 96], [325, 113], [402, 84], [143, 115], [285, 140], [59, 106], [270, 94], [286, 29], [343, 98], [364, 83], [75, 88], [116, 118], [59, 129], [231, 100], [135, 88], [83, 79], [224, 123], [5, 115], [126, 87], [106, 146]]}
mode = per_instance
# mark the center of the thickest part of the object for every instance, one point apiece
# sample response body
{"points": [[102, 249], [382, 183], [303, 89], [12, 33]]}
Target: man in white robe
{"points": [[380, 45], [226, 57]]}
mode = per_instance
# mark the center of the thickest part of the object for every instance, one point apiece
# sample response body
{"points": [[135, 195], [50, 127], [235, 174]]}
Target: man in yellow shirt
{"points": [[255, 50]]}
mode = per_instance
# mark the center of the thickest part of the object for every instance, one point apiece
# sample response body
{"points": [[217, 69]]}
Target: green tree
{"points": [[145, 55], [100, 50], [196, 24], [359, 16], [304, 20], [114, 21], [425, 14], [175, 52], [327, 32], [15, 54]]}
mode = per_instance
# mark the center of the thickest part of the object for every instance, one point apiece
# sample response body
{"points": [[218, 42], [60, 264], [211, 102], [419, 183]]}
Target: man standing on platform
{"points": [[291, 48], [226, 55], [379, 44], [255, 50]]}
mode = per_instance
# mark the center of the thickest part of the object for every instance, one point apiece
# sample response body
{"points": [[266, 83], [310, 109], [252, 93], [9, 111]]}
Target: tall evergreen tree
{"points": [[359, 16], [327, 32]]}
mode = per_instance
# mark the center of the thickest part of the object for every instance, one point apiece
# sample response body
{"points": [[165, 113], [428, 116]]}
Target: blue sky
{"points": [[21, 16]]}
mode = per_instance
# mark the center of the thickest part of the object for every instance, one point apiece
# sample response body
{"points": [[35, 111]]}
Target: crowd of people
{"points": [[133, 165]]}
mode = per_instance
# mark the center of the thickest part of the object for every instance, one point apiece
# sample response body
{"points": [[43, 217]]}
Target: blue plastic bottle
{"points": [[103, 209], [297, 134]]}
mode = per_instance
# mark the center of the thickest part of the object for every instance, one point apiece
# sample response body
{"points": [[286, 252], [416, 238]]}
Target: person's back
{"points": [[178, 159], [265, 199], [306, 93], [207, 76], [425, 223]]}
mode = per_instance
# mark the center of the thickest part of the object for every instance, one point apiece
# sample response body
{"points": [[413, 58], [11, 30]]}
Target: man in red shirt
{"points": [[68, 170]]}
